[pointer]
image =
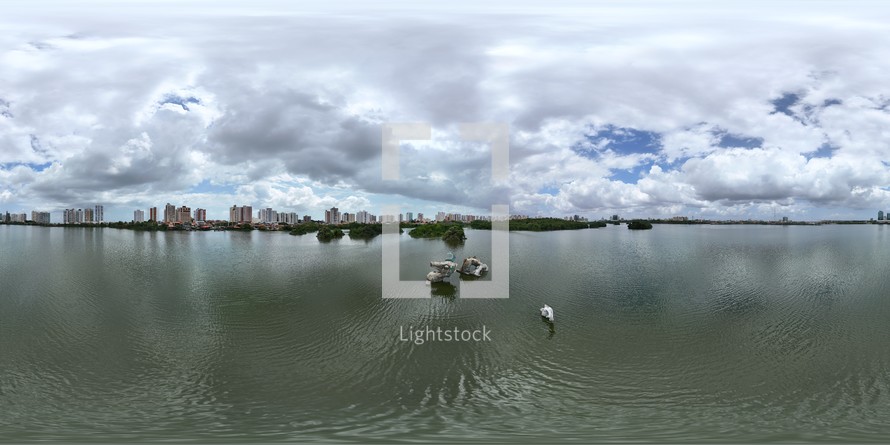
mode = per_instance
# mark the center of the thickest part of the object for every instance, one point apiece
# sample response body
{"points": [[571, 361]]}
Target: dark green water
{"points": [[727, 333]]}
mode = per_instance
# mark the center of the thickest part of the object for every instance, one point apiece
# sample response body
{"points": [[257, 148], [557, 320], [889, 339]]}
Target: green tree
{"points": [[365, 231], [454, 235], [542, 224], [304, 228], [435, 230], [327, 233], [480, 224], [639, 224]]}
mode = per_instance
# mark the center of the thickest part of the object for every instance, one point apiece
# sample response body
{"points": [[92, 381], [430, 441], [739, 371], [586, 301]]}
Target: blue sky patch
{"points": [[181, 101], [621, 141], [783, 104], [631, 176], [734, 140], [31, 165], [629, 140], [206, 187], [550, 190], [824, 151], [39, 167]]}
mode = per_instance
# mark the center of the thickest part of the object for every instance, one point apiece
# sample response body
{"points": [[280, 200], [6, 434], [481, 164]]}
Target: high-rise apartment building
{"points": [[153, 214], [267, 215], [169, 213], [288, 218], [409, 216], [40, 217], [184, 214], [332, 216], [99, 213], [200, 214], [241, 214], [138, 216]]}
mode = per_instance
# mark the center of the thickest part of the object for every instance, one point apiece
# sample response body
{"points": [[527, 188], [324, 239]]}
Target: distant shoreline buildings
{"points": [[95, 215], [183, 216]]}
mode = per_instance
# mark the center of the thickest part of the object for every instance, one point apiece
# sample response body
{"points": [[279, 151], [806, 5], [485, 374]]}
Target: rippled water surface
{"points": [[728, 333]]}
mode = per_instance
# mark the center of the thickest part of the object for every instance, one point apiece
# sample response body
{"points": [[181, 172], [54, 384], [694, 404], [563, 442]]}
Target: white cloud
{"points": [[281, 107]]}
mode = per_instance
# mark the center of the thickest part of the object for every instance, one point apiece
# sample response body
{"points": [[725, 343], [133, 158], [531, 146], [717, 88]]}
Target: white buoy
{"points": [[547, 311]]}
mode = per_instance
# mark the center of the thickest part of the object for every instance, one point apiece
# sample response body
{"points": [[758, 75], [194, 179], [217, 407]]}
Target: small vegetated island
{"points": [[454, 235], [364, 231], [639, 224], [304, 228], [449, 232], [327, 233], [541, 224], [145, 226]]}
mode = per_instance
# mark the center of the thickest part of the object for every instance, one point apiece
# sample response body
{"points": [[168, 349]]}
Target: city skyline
{"points": [[644, 109], [244, 214]]}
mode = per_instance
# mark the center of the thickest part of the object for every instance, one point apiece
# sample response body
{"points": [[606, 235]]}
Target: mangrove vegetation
{"points": [[639, 224], [327, 233], [304, 228], [541, 224]]}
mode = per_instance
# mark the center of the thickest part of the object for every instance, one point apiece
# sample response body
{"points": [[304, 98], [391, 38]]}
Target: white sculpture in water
{"points": [[547, 312], [444, 269], [472, 266]]}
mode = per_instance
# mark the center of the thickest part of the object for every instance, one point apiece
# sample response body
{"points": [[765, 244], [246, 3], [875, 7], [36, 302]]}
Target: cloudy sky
{"points": [[642, 109]]}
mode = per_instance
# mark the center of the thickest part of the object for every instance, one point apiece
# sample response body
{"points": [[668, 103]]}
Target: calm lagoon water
{"points": [[716, 333]]}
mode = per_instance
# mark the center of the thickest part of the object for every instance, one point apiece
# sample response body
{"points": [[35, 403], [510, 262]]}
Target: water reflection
{"points": [[551, 327], [680, 333], [454, 244], [443, 289]]}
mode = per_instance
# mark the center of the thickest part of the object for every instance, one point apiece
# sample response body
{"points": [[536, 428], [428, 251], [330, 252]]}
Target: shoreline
{"points": [[164, 228]]}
